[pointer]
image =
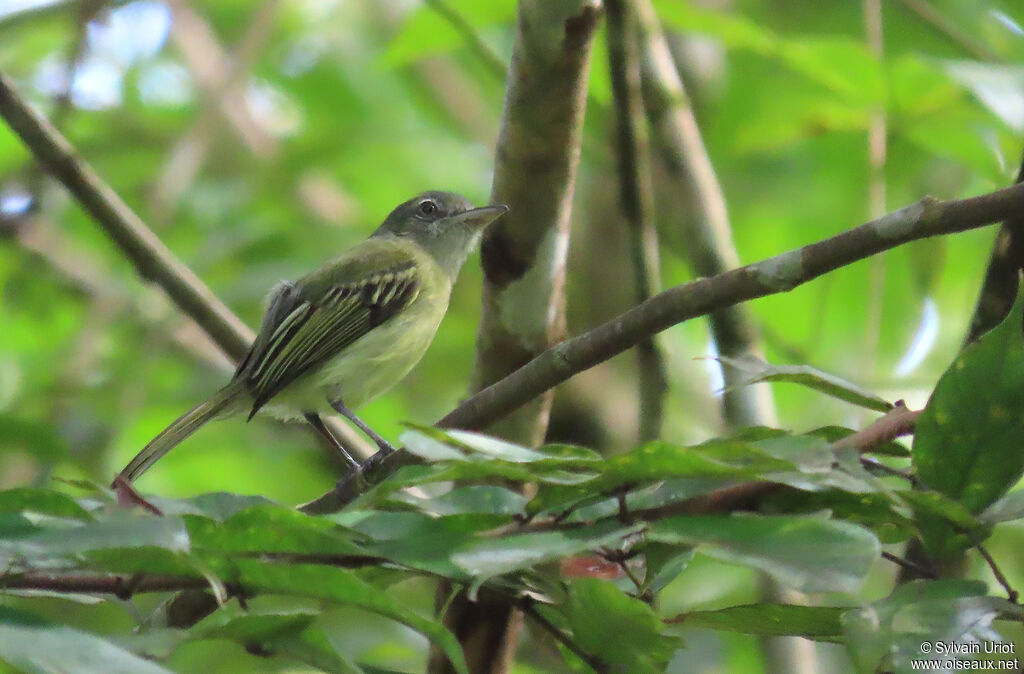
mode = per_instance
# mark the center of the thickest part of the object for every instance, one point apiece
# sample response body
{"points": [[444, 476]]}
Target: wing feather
{"points": [[299, 333]]}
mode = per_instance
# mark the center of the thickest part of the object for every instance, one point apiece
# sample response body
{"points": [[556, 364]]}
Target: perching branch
{"points": [[636, 197], [709, 245], [928, 217]]}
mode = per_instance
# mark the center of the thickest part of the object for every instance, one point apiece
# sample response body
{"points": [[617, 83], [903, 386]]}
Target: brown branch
{"points": [[710, 248], [152, 259], [122, 586], [900, 420], [928, 217], [637, 202], [914, 567], [1011, 593]]}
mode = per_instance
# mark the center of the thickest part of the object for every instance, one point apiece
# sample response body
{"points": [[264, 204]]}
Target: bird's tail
{"points": [[184, 426]]}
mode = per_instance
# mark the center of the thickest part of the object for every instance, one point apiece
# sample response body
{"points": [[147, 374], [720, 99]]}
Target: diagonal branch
{"points": [[928, 217], [152, 259]]}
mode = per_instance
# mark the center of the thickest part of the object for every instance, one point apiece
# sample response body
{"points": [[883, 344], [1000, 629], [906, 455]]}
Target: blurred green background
{"points": [[258, 138]]}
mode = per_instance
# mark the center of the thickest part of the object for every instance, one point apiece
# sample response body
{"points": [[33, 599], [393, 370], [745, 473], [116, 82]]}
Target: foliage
{"points": [[625, 555]]}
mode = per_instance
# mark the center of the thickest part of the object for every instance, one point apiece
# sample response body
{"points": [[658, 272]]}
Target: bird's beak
{"points": [[478, 218]]}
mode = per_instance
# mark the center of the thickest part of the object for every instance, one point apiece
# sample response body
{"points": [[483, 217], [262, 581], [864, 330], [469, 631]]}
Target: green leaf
{"points": [[484, 558], [256, 628], [996, 86], [485, 499], [418, 540], [291, 635], [962, 135], [878, 512], [967, 443], [756, 371], [339, 585], [272, 529], [664, 564], [808, 553], [715, 458], [434, 444], [616, 628], [891, 630], [772, 620], [425, 31], [841, 65], [1006, 509], [735, 31], [117, 530], [42, 501], [32, 646], [313, 647], [218, 505]]}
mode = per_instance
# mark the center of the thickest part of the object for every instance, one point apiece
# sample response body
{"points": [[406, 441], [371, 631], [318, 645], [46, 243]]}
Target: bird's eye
{"points": [[427, 209]]}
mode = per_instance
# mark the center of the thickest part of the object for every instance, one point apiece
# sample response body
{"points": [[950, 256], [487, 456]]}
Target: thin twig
{"points": [[637, 202], [152, 259], [494, 63], [919, 569], [876, 465], [527, 607], [1011, 593], [949, 29], [900, 420], [120, 585]]}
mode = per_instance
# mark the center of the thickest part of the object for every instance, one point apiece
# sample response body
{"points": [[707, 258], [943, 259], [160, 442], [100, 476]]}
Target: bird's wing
{"points": [[299, 333]]}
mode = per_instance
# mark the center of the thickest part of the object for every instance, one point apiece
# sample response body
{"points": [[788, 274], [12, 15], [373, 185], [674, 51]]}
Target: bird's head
{"points": [[444, 224]]}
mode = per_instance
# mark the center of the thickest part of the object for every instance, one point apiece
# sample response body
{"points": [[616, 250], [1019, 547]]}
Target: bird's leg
{"points": [[316, 422], [383, 444]]}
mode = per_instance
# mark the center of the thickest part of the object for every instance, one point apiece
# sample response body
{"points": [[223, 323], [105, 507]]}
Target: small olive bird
{"points": [[344, 334]]}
